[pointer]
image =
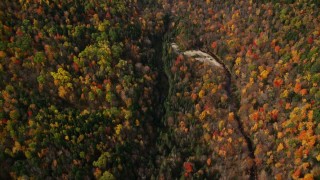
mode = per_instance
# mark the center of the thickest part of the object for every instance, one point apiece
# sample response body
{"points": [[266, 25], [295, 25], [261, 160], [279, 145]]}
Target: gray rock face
{"points": [[197, 55]]}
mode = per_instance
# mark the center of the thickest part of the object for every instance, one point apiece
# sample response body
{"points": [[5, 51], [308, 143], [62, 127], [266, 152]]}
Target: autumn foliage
{"points": [[92, 90], [271, 49]]}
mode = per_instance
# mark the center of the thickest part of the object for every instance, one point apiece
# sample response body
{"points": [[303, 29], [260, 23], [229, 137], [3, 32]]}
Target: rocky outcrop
{"points": [[197, 55]]}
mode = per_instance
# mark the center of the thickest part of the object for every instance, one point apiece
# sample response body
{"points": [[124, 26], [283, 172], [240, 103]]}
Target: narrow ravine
{"points": [[208, 57], [160, 95], [234, 107]]}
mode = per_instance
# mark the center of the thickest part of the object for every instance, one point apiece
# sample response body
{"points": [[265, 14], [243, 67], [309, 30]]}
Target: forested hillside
{"points": [[94, 89]]}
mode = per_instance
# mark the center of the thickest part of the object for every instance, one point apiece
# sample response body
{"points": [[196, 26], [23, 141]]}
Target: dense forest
{"points": [[93, 89]]}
